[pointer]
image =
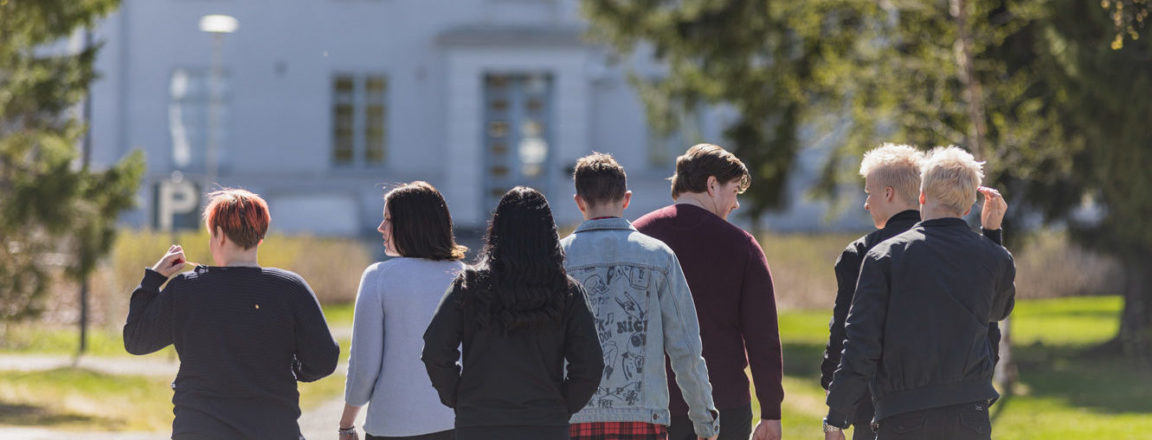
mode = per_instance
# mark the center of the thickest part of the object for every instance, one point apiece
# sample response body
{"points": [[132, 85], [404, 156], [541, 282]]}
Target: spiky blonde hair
{"points": [[897, 166], [950, 177]]}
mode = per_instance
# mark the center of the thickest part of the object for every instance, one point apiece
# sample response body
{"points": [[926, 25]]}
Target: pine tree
{"points": [[52, 211]]}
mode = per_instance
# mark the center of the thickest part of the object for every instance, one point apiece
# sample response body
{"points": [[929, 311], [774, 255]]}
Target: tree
{"points": [[1062, 129], [762, 58], [1033, 85], [51, 210]]}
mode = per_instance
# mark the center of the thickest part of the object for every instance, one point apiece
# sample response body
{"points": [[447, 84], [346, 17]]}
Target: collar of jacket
{"points": [[945, 221], [617, 223], [910, 216]]}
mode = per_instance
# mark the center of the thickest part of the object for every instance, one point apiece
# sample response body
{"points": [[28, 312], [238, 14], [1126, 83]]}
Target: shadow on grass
{"points": [[803, 360], [20, 414], [1085, 378]]}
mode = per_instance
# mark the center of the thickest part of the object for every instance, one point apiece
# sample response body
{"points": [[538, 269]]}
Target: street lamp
{"points": [[217, 25]]}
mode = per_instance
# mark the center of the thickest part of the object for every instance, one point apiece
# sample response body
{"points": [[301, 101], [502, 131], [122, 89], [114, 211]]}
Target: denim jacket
{"points": [[643, 311]]}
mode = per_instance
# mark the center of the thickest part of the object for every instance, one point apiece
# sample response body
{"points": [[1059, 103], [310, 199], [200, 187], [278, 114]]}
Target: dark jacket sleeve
{"points": [[864, 345], [582, 351], [847, 268], [316, 351], [997, 236], [442, 345], [761, 331], [149, 324]]}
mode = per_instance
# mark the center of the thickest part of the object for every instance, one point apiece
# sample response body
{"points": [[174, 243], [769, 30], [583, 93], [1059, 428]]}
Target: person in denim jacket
{"points": [[643, 310]]}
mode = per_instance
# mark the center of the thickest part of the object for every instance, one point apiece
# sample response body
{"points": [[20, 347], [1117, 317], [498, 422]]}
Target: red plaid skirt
{"points": [[618, 431]]}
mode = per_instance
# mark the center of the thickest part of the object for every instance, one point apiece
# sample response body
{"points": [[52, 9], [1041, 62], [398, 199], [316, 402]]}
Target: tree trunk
{"points": [[1136, 320]]}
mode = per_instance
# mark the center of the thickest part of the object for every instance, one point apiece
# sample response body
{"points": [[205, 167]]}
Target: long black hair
{"points": [[519, 281]]}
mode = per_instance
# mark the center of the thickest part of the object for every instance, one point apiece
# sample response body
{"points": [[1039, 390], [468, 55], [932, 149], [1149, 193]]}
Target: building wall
{"points": [[434, 53]]}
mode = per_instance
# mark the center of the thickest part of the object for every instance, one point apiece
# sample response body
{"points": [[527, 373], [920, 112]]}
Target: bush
{"points": [[331, 266], [1048, 265]]}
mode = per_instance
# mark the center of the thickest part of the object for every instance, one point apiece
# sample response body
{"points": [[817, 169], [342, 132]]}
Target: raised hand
{"points": [[171, 262], [992, 215]]}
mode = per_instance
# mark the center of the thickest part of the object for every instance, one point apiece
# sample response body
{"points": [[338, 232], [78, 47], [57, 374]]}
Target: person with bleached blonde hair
{"points": [[918, 334]]}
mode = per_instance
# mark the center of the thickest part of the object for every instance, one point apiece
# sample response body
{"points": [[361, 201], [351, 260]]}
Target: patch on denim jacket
{"points": [[619, 297]]}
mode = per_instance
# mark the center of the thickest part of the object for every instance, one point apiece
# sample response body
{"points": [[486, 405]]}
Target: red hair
{"points": [[241, 215]]}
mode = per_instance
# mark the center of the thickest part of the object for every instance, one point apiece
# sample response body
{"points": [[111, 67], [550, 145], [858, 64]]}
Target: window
{"points": [[192, 122], [359, 119]]}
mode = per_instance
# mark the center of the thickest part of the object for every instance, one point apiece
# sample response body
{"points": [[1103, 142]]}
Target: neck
{"points": [[239, 258], [931, 211], [699, 200], [603, 211]]}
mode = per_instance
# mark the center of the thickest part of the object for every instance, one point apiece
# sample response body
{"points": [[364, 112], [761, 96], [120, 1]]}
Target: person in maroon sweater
{"points": [[732, 288]]}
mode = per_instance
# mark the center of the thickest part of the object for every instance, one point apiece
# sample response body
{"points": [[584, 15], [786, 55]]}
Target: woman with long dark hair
{"points": [[520, 318], [394, 304]]}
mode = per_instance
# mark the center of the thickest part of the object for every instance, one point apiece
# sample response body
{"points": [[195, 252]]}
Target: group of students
{"points": [[621, 330]]}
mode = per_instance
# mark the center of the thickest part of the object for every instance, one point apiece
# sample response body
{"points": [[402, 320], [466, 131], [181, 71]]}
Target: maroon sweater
{"points": [[732, 289]]}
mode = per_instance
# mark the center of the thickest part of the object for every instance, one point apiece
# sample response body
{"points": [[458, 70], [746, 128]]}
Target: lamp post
{"points": [[218, 26]]}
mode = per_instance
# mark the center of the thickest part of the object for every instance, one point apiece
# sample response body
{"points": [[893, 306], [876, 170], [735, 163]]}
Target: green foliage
{"points": [[51, 213], [1129, 16], [761, 58]]}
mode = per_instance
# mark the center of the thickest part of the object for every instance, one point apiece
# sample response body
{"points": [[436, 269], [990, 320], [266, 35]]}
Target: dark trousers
{"points": [[966, 421], [442, 435], [735, 424], [512, 433]]}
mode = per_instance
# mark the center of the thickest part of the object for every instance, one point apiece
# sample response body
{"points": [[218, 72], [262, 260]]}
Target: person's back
{"points": [[643, 310], [714, 255], [236, 331], [245, 334], [947, 284], [918, 329], [732, 289], [531, 357], [394, 305]]}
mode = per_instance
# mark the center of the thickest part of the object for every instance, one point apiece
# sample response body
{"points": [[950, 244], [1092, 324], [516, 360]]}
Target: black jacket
{"points": [[514, 379], [918, 330], [245, 336]]}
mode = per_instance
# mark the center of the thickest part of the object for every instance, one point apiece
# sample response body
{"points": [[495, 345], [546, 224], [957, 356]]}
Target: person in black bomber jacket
{"points": [[245, 334], [892, 184], [532, 356], [918, 328]]}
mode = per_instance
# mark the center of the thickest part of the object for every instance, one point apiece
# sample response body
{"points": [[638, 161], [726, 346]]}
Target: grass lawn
{"points": [[73, 398], [1066, 391]]}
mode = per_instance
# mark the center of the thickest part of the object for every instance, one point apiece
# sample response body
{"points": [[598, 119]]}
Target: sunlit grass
{"points": [[1066, 390]]}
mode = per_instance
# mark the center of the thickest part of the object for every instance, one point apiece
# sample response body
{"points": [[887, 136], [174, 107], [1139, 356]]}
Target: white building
{"points": [[322, 103]]}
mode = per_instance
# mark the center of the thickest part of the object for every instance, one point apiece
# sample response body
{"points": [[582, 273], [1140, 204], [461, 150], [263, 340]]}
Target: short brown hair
{"points": [[241, 215], [599, 179], [704, 160], [421, 224]]}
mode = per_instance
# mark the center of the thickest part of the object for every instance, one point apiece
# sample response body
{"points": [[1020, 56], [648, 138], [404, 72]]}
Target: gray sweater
{"points": [[393, 307]]}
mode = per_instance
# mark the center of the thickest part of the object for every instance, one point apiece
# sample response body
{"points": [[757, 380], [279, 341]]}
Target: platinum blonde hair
{"points": [[897, 166], [950, 177]]}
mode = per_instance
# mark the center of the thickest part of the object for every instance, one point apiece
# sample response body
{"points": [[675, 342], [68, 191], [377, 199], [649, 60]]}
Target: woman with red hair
{"points": [[245, 334]]}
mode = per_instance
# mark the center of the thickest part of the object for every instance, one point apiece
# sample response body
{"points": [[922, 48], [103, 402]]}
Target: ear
{"points": [[922, 199], [966, 212], [889, 193], [219, 236], [627, 199], [580, 204], [712, 183]]}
